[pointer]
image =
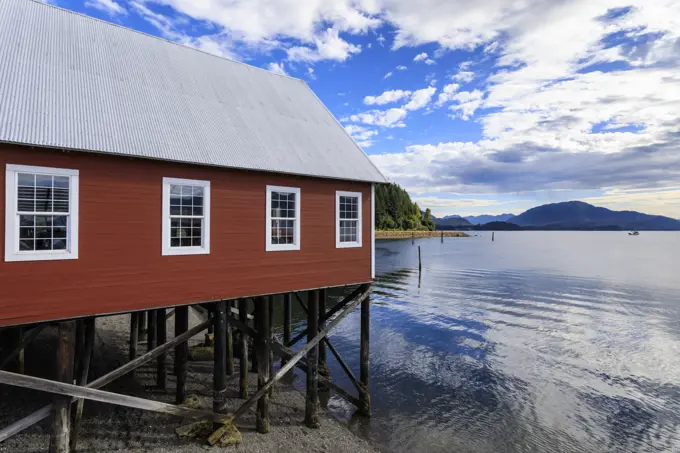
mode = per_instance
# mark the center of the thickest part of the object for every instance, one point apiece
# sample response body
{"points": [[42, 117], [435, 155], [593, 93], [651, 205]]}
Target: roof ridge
{"points": [[96, 19]]}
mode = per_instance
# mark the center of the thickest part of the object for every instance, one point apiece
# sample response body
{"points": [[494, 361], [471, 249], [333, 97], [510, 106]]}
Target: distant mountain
{"points": [[482, 219], [497, 226], [579, 215], [451, 221]]}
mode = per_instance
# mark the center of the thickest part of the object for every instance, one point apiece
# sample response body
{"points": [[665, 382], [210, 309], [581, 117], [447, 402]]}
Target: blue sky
{"points": [[474, 107]]}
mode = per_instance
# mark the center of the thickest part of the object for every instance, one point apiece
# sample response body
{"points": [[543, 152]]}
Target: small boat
{"points": [[634, 233]]}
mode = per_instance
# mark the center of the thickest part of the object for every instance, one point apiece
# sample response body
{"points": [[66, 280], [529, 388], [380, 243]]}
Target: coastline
{"points": [[389, 234]]}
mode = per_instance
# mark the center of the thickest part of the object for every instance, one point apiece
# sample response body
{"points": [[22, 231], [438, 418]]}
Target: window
{"points": [[41, 213], [186, 217], [348, 219], [283, 218]]}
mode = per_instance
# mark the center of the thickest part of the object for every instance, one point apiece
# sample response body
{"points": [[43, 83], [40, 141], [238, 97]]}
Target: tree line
{"points": [[394, 210]]}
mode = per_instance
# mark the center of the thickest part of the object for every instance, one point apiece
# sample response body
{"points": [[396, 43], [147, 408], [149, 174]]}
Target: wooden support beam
{"points": [[43, 413], [339, 306], [134, 335], [25, 341], [253, 359], [170, 314], [229, 347], [151, 330], [161, 338], [141, 325], [75, 391], [262, 350], [287, 321], [219, 357], [243, 347], [303, 351], [61, 425], [364, 375], [181, 353], [323, 362], [312, 397], [86, 358]]}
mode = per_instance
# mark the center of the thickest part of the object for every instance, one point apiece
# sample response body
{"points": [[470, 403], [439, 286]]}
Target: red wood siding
{"points": [[120, 267]]}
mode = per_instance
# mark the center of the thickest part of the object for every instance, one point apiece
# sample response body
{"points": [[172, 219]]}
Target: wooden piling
{"points": [[220, 357], [364, 370], [442, 236], [61, 424], [253, 358], [270, 310], [84, 371], [229, 348], [161, 338], [243, 348], [413, 238], [181, 353], [21, 357], [420, 262], [323, 363], [262, 348], [141, 325], [312, 398], [151, 330], [493, 236], [134, 335]]}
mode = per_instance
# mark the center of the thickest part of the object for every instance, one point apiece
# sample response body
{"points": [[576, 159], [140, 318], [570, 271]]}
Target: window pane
{"points": [[175, 200], [26, 245], [196, 223], [186, 210], [196, 242], [26, 220], [26, 206], [43, 181], [186, 190], [59, 232], [26, 179], [59, 244], [185, 242], [186, 223], [198, 211], [174, 232], [198, 201], [43, 233], [175, 190], [174, 223], [60, 194], [60, 206], [26, 192], [61, 182], [26, 233], [42, 220], [198, 191], [59, 220], [43, 206], [43, 193], [43, 244], [175, 210], [174, 242], [186, 200], [196, 232]]}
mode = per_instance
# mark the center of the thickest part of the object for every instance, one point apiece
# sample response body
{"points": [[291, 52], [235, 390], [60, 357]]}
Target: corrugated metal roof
{"points": [[70, 81]]}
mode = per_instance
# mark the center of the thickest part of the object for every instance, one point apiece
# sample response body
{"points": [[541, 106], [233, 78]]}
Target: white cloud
{"points": [[468, 102], [463, 76], [387, 118], [401, 67], [447, 94], [310, 73], [420, 57], [362, 135], [387, 97], [328, 46], [420, 98], [277, 68], [388, 75], [108, 6], [381, 40]]}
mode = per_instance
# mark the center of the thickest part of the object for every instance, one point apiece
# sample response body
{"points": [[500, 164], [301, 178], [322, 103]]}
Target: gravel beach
{"points": [[107, 428]]}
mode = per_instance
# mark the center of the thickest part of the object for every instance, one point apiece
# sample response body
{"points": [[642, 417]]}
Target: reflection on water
{"points": [[538, 342]]}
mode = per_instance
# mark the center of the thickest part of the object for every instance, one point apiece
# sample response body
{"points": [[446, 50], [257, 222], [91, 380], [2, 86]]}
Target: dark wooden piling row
{"points": [[364, 370], [17, 350], [323, 363], [312, 398], [220, 357], [243, 348], [88, 334], [61, 423], [141, 325], [181, 353], [287, 321], [262, 349], [253, 355], [151, 330], [229, 347], [269, 333], [134, 335], [161, 339]]}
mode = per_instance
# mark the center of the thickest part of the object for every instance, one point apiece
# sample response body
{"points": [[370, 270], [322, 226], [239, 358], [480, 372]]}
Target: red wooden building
{"points": [[139, 175]]}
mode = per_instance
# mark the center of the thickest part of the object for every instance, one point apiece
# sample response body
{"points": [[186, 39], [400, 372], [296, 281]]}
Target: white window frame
{"points": [[204, 249], [12, 252], [269, 247], [345, 245]]}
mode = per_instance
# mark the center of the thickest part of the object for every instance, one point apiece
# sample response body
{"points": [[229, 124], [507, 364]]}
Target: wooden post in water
{"points": [[161, 338], [229, 351], [219, 357], [243, 347], [413, 238], [181, 353], [492, 236], [134, 335], [364, 370], [61, 425], [420, 263], [312, 398], [442, 236], [262, 348]]}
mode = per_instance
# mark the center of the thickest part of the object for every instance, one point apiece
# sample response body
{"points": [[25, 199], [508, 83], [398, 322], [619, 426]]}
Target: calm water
{"points": [[538, 342]]}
